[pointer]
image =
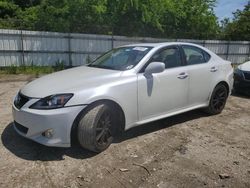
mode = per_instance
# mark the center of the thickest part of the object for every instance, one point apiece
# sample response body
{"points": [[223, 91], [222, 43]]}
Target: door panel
{"points": [[201, 71], [199, 84], [162, 93]]}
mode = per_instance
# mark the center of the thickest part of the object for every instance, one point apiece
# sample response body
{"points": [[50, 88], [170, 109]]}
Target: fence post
{"points": [[112, 41], [204, 43], [248, 52], [69, 50], [22, 49], [228, 45]]}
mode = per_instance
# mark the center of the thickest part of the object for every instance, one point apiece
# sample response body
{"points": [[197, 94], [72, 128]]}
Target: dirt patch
{"points": [[188, 150]]}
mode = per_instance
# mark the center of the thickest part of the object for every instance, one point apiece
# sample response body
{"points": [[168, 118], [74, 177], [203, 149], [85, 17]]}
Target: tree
{"points": [[161, 18], [53, 16], [88, 16], [239, 27], [8, 9], [191, 19], [8, 14], [135, 17], [26, 3], [28, 18]]}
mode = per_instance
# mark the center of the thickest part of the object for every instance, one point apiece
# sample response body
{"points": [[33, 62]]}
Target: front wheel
{"points": [[218, 100], [96, 128]]}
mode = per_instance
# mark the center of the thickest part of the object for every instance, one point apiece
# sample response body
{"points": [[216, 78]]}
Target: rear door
{"points": [[201, 71]]}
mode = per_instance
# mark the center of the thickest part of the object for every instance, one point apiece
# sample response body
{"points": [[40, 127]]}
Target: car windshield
{"points": [[123, 58]]}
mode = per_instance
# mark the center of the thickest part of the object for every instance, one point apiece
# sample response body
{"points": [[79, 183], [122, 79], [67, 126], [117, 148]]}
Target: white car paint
{"points": [[142, 99], [245, 66]]}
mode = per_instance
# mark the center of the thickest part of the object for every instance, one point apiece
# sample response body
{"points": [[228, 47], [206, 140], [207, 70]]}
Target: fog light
{"points": [[48, 133]]}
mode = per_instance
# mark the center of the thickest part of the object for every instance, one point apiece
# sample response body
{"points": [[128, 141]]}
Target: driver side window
{"points": [[170, 57]]}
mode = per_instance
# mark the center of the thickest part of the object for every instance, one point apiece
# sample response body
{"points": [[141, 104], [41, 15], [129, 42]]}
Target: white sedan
{"points": [[126, 87]]}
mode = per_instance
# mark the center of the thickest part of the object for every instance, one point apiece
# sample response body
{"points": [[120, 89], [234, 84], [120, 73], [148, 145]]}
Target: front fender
{"points": [[123, 92]]}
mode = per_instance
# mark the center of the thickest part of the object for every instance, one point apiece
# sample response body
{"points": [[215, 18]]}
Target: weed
{"points": [[33, 69]]}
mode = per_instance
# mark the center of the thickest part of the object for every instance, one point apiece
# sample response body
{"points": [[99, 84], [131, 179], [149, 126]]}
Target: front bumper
{"points": [[32, 123]]}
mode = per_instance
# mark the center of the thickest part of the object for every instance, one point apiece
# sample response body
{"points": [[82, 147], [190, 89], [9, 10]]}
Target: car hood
{"points": [[69, 81], [245, 66]]}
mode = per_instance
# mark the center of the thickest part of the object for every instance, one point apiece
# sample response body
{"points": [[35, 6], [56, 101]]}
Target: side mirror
{"points": [[154, 67]]}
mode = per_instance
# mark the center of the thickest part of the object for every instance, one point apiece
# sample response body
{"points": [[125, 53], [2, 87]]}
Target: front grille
{"points": [[247, 75], [21, 128], [20, 100]]}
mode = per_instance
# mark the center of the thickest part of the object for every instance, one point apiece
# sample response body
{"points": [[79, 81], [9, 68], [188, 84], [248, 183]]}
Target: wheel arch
{"points": [[218, 83], [210, 109], [225, 84], [112, 103]]}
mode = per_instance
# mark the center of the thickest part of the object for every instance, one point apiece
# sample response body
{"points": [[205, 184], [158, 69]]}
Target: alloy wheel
{"points": [[219, 99], [103, 129]]}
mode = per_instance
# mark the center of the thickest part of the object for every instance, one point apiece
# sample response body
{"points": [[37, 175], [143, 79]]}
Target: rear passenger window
{"points": [[195, 55], [206, 56]]}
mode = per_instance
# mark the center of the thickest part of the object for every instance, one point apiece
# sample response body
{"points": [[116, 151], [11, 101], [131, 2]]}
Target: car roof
{"points": [[165, 44], [162, 44]]}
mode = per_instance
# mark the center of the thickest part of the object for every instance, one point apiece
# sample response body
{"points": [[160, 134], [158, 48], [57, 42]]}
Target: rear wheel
{"points": [[96, 128], [218, 100]]}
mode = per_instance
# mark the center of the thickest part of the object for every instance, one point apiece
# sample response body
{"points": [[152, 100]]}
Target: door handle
{"points": [[213, 69], [182, 75]]}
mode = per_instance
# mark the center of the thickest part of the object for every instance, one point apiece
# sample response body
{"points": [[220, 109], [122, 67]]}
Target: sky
{"points": [[225, 8]]}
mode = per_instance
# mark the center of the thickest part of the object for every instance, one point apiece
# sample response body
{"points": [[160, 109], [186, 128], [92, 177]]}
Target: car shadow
{"points": [[29, 150], [160, 124]]}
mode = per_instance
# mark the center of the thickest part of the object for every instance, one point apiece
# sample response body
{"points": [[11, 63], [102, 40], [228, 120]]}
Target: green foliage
{"points": [[8, 12], [162, 18], [239, 28], [33, 69], [136, 17], [191, 19], [11, 70], [26, 3], [29, 18], [53, 16], [59, 65], [8, 9]]}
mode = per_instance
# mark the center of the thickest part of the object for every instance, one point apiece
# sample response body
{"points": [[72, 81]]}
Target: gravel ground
{"points": [[188, 150]]}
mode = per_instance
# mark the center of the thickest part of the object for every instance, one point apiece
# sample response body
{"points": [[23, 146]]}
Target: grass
{"points": [[32, 69]]}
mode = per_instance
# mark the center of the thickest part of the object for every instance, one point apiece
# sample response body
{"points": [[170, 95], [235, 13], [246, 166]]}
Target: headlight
{"points": [[52, 102]]}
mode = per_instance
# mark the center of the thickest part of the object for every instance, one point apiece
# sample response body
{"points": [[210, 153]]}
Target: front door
{"points": [[163, 92]]}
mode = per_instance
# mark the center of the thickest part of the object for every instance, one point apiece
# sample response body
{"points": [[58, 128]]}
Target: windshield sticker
{"points": [[142, 49]]}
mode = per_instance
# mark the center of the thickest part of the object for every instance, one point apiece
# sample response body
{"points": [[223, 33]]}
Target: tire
{"points": [[95, 130], [218, 100]]}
